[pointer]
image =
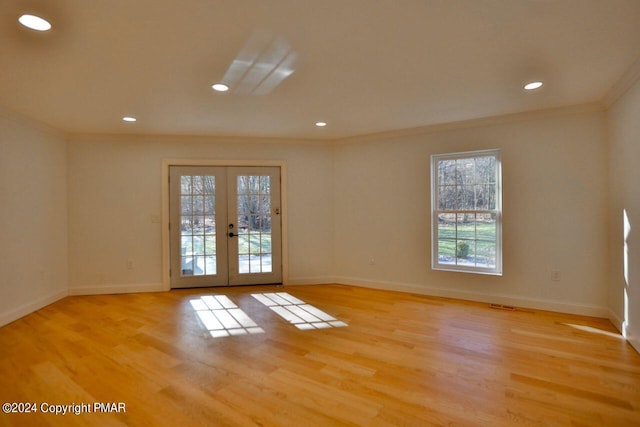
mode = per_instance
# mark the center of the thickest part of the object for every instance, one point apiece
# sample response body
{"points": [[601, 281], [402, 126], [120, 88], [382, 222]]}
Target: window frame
{"points": [[435, 211]]}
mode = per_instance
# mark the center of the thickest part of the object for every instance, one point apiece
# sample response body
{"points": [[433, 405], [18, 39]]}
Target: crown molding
{"points": [[32, 123], [220, 139], [474, 123], [624, 83]]}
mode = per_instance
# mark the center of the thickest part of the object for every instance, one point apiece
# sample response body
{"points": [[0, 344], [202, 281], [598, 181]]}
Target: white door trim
{"points": [[167, 163]]}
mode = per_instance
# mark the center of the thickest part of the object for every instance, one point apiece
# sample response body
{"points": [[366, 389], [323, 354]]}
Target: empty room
{"points": [[320, 213]]}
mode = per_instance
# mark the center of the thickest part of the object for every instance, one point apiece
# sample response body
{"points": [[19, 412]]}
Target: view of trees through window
{"points": [[466, 211], [254, 223], [198, 225]]}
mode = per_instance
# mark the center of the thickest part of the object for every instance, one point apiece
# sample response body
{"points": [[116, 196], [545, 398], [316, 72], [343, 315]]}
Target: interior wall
{"points": [[115, 193], [33, 217], [554, 205], [624, 143], [348, 203]]}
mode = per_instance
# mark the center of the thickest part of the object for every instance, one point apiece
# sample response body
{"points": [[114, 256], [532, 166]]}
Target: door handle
{"points": [[232, 235]]}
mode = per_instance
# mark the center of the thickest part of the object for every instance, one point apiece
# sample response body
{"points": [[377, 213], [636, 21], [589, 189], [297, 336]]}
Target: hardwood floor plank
{"points": [[572, 391]]}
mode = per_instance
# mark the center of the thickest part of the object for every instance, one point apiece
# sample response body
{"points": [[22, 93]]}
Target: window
{"points": [[466, 212]]}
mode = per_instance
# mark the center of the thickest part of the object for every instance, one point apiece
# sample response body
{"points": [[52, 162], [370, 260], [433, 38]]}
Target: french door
{"points": [[225, 226]]}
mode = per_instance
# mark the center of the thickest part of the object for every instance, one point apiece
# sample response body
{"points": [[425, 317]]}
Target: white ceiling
{"points": [[363, 66]]}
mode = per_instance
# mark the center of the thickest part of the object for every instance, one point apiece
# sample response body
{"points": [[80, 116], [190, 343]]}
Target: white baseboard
{"points": [[127, 288], [616, 321], [23, 310], [524, 302], [315, 280], [623, 328], [635, 342]]}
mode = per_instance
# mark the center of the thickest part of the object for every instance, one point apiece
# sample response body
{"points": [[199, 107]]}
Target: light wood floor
{"points": [[402, 360]]}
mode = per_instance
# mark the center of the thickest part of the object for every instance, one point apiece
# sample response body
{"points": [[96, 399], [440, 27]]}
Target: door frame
{"points": [[167, 163]]}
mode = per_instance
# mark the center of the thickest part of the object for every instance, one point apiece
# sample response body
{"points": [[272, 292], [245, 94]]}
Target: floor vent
{"points": [[502, 307]]}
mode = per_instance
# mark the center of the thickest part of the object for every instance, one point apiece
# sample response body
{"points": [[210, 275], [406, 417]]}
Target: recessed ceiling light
{"points": [[321, 124], [129, 119], [532, 85], [220, 87], [35, 22]]}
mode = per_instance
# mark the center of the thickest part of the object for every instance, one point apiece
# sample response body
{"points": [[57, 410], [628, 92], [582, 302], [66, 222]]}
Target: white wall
{"points": [[33, 217], [555, 217], [624, 146], [115, 188]]}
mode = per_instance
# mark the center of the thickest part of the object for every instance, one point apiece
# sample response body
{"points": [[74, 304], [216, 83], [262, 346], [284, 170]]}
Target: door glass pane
{"points": [[198, 186], [266, 263], [254, 224], [210, 224], [210, 264], [185, 185], [185, 207], [198, 226]]}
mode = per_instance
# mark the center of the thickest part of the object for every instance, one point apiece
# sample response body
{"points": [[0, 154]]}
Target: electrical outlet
{"points": [[372, 260], [555, 275], [130, 264]]}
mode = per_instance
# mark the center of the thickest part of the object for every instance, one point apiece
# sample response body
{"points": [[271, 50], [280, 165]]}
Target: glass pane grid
{"points": [[467, 239], [198, 225], [254, 224], [465, 210], [467, 183]]}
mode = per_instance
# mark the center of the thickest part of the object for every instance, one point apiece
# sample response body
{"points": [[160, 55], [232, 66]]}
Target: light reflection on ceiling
{"points": [[264, 62]]}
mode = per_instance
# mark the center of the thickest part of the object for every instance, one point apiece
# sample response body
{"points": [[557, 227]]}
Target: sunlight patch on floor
{"points": [[222, 317], [297, 312], [594, 330]]}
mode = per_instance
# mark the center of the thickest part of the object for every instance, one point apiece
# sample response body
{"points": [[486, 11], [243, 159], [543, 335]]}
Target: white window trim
{"points": [[435, 265]]}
